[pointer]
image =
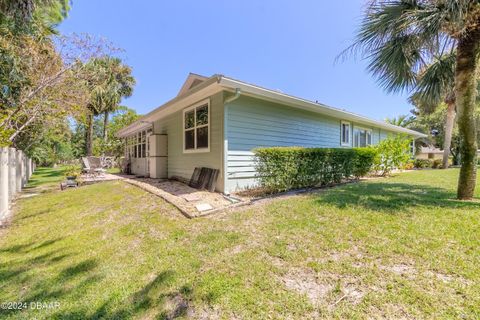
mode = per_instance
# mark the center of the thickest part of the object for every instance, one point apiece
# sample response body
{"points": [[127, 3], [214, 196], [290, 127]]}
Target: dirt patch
{"points": [[206, 313], [176, 306], [447, 278], [306, 282], [352, 293], [324, 288], [401, 269]]}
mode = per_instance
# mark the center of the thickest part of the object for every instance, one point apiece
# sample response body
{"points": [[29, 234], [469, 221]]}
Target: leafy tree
{"points": [[21, 22], [433, 123], [114, 146], [402, 37]]}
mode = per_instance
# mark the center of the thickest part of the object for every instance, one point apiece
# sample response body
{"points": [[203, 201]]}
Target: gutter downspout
{"points": [[237, 94]]}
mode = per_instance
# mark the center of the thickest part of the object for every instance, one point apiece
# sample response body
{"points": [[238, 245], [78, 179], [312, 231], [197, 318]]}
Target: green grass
{"points": [[47, 176], [113, 170], [401, 247]]}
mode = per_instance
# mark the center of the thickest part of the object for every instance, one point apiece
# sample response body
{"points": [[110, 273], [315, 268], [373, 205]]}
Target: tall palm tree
{"points": [[119, 84], [436, 84], [110, 81], [401, 37]]}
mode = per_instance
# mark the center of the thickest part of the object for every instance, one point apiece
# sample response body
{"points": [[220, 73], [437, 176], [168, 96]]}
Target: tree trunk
{"points": [[105, 125], [448, 133], [89, 135], [466, 91]]}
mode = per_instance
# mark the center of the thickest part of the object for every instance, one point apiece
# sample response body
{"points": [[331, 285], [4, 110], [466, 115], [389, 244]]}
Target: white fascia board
{"points": [[300, 103], [172, 106]]}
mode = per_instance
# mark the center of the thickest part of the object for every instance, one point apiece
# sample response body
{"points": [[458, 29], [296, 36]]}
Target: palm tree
{"points": [[436, 84], [401, 37], [111, 81], [120, 83], [402, 120]]}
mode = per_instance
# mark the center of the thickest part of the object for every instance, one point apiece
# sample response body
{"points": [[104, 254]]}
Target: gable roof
{"points": [[192, 93], [192, 80]]}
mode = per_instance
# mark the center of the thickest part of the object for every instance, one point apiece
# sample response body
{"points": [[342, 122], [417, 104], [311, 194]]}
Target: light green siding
{"points": [[182, 164]]}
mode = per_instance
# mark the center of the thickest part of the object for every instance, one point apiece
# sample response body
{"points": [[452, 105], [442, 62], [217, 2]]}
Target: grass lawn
{"points": [[400, 247]]}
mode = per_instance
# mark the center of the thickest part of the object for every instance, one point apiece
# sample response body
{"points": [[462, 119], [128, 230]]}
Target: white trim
{"points": [[195, 127], [300, 103], [218, 83], [350, 134], [187, 85]]}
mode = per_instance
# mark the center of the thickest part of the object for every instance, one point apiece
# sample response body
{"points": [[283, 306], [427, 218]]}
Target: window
{"points": [[362, 137], [137, 145], [196, 128], [345, 130]]}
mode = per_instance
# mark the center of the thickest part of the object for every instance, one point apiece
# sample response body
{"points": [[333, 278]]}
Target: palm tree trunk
{"points": [[105, 125], [89, 135], [466, 91], [448, 133]]}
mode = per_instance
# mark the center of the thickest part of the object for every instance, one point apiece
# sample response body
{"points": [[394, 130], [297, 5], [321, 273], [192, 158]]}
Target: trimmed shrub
{"points": [[364, 159], [285, 168], [423, 163]]}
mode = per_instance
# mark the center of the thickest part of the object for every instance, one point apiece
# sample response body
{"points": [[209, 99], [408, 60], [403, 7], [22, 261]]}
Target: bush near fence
{"points": [[284, 168]]}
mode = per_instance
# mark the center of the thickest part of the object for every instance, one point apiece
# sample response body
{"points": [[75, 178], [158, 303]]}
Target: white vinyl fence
{"points": [[15, 170]]}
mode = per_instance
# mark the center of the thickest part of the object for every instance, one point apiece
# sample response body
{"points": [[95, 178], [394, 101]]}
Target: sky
{"points": [[278, 44]]}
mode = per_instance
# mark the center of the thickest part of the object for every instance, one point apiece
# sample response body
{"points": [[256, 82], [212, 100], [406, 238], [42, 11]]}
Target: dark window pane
{"points": [[202, 115], [189, 140], [202, 137], [344, 133], [363, 138], [189, 119]]}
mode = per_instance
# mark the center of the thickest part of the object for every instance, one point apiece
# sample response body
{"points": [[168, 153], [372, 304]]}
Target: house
{"points": [[216, 121], [429, 152]]}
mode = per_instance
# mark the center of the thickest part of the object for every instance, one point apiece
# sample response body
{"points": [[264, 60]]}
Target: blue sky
{"points": [[279, 44]]}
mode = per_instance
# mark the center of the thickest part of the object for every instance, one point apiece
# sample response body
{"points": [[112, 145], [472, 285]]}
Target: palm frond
{"points": [[400, 38], [437, 80]]}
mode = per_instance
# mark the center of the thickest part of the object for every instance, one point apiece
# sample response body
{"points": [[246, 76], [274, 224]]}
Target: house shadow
{"points": [[393, 197]]}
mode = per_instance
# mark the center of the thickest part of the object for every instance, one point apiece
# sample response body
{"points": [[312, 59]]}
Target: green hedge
{"points": [[285, 168]]}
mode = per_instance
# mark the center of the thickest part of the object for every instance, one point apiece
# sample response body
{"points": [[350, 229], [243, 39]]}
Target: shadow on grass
{"points": [[393, 197], [45, 175], [25, 273], [154, 300]]}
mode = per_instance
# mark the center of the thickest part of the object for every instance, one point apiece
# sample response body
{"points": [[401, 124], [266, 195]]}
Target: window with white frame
{"points": [[345, 133], [196, 128], [362, 137], [137, 145]]}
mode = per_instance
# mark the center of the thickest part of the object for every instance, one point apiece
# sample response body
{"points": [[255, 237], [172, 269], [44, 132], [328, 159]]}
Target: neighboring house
{"points": [[429, 153], [216, 122], [433, 153]]}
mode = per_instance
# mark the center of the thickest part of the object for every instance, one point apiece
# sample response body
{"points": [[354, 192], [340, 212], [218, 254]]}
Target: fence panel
{"points": [[15, 170]]}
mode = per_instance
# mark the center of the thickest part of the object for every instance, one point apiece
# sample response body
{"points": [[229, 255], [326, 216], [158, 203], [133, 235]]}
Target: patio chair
{"points": [[96, 164], [86, 166], [92, 167]]}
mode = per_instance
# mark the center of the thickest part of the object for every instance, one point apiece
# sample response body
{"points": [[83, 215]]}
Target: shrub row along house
{"points": [[216, 122]]}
